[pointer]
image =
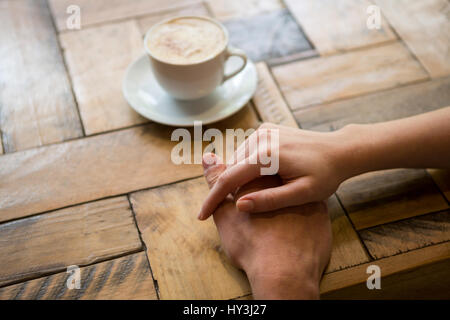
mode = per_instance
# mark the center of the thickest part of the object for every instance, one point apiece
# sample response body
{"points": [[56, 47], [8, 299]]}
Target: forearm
{"points": [[421, 141]]}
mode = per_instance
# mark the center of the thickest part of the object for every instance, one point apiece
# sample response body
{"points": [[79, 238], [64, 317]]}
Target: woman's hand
{"points": [[310, 167]]}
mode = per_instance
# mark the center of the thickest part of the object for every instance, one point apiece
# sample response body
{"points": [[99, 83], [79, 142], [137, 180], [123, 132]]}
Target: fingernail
{"points": [[245, 205], [209, 159]]}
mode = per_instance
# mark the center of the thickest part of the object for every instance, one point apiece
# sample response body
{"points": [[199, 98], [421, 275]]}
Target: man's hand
{"points": [[283, 252]]}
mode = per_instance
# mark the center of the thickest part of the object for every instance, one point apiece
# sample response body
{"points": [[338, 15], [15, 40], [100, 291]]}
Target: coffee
{"points": [[186, 40]]}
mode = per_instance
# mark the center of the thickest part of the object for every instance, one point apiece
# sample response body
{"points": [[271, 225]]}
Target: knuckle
{"points": [[270, 200], [224, 179]]}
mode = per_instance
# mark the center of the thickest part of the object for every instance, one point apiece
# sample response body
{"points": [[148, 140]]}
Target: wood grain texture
{"points": [[418, 274], [325, 79], [97, 68], [405, 235], [232, 9], [79, 235], [123, 278], [347, 249], [380, 197], [269, 101], [442, 179], [36, 102], [198, 9], [99, 11], [377, 107], [425, 27], [185, 254], [52, 177], [336, 26], [268, 36]]}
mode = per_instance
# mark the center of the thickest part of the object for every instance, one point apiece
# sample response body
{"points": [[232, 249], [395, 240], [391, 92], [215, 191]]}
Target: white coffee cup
{"points": [[194, 80]]}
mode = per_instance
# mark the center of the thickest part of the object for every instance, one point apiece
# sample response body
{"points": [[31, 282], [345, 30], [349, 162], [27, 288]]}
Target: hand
{"points": [[308, 168], [283, 252]]}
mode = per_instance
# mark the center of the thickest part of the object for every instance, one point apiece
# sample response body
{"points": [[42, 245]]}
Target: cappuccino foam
{"points": [[186, 40]]}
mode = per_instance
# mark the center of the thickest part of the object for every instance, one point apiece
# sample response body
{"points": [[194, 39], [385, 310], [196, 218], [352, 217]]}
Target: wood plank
{"points": [[52, 177], [37, 105], [442, 179], [97, 68], [424, 26], [380, 197], [232, 9], [268, 100], [99, 11], [405, 235], [186, 256], [326, 79], [79, 235], [377, 107], [337, 26], [418, 274], [198, 9], [127, 278], [347, 249], [268, 36]]}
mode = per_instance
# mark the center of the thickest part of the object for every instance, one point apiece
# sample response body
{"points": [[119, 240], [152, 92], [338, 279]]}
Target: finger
{"points": [[227, 183], [212, 168], [246, 149], [287, 195]]}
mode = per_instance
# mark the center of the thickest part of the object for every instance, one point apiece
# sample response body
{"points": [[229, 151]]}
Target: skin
{"points": [[312, 165], [283, 252]]}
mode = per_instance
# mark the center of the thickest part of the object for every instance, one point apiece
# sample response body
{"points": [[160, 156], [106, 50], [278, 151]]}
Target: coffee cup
{"points": [[188, 55]]}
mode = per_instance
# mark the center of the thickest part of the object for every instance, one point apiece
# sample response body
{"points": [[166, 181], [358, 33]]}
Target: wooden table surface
{"points": [[86, 181]]}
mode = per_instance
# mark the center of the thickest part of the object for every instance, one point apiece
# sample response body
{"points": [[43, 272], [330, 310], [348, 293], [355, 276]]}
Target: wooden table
{"points": [[86, 181]]}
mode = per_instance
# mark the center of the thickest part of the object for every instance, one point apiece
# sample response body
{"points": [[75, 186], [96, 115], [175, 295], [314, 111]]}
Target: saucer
{"points": [[146, 96]]}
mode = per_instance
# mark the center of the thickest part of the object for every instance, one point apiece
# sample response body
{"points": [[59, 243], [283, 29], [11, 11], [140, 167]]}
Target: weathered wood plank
{"points": [[418, 274], [385, 196], [231, 9], [98, 11], [36, 101], [97, 68], [269, 101], [424, 26], [127, 278], [268, 36], [336, 26], [52, 177], [198, 9], [79, 235], [325, 79], [186, 257], [442, 179], [347, 249], [377, 107], [405, 235]]}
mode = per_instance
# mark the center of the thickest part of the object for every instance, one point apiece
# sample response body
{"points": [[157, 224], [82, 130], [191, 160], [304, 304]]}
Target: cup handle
{"points": [[239, 53]]}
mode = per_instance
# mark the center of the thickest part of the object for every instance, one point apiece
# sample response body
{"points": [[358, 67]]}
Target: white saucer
{"points": [[144, 94]]}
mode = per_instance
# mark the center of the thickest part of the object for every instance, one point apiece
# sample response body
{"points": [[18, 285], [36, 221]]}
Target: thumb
{"points": [[212, 168], [287, 195]]}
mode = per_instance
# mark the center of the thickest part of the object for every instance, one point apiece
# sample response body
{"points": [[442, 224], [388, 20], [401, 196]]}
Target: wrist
{"points": [[283, 280], [355, 151]]}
